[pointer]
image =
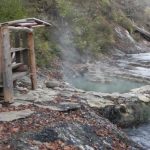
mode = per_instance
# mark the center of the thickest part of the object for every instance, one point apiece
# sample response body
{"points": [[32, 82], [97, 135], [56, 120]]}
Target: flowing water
{"points": [[141, 135]]}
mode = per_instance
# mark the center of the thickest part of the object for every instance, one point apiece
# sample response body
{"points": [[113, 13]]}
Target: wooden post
{"points": [[32, 60], [1, 77], [6, 66]]}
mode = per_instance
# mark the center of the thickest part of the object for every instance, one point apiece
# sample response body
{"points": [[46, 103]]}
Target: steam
{"points": [[72, 60]]}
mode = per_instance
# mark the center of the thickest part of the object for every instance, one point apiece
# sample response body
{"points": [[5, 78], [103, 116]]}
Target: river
{"points": [[140, 135]]}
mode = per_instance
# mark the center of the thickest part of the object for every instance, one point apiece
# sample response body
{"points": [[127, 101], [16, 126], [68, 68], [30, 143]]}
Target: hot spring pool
{"points": [[115, 85]]}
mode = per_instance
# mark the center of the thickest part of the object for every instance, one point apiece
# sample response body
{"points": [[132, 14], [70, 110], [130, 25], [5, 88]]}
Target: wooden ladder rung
{"points": [[14, 66], [18, 49]]}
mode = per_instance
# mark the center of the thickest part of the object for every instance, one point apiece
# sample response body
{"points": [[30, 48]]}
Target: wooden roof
{"points": [[28, 22]]}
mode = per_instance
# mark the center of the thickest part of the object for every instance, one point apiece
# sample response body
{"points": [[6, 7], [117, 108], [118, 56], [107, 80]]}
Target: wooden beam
{"points": [[18, 49], [27, 20], [7, 68], [20, 28], [142, 32], [32, 60], [1, 77]]}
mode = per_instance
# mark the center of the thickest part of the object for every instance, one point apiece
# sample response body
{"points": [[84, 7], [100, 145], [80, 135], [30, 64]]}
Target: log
{"points": [[143, 32]]}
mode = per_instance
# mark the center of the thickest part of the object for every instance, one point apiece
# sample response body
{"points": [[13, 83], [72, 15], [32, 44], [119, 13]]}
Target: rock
{"points": [[66, 106], [55, 108], [99, 103], [143, 98], [63, 107], [14, 115], [81, 136], [19, 102], [52, 84], [142, 89]]}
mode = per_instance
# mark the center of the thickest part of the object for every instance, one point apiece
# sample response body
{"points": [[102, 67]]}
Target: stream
{"points": [[140, 135]]}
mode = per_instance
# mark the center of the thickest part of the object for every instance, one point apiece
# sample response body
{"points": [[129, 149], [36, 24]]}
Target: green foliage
{"points": [[46, 50], [95, 35], [11, 9], [92, 32], [120, 18], [65, 7]]}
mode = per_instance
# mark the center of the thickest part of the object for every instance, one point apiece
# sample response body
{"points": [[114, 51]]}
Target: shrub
{"points": [[11, 9]]}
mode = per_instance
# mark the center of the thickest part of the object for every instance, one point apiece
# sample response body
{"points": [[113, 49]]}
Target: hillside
{"points": [[93, 77]]}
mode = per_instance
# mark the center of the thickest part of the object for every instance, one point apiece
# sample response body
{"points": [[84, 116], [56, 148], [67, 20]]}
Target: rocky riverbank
{"points": [[62, 117]]}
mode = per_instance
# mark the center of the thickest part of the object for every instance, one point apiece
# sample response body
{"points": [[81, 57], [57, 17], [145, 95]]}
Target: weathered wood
{"points": [[32, 60], [143, 32], [7, 68], [18, 49], [20, 28], [14, 66], [27, 20], [1, 77]]}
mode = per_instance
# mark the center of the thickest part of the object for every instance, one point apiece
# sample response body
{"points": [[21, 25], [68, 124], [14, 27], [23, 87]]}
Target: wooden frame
{"points": [[23, 55]]}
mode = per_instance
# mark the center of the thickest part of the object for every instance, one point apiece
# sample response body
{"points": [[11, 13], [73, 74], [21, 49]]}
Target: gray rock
{"points": [[52, 84], [63, 107], [14, 115], [99, 103]]}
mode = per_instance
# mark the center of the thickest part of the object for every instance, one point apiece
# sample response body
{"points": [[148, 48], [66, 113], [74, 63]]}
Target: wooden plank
{"points": [[7, 68], [32, 60], [1, 77], [27, 20], [142, 31], [18, 75], [18, 49], [14, 66], [20, 28]]}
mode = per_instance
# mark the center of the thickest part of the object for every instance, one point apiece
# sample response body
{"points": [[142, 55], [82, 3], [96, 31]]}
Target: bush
{"points": [[11, 10], [46, 49], [120, 18]]}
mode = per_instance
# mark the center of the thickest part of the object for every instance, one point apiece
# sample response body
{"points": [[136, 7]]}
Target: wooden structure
{"points": [[143, 32], [17, 56]]}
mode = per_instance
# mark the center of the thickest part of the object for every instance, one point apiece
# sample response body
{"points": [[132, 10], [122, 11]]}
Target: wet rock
{"points": [[126, 114], [14, 115]]}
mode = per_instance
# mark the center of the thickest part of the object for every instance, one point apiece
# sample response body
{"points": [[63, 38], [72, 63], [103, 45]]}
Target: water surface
{"points": [[141, 135], [115, 85]]}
